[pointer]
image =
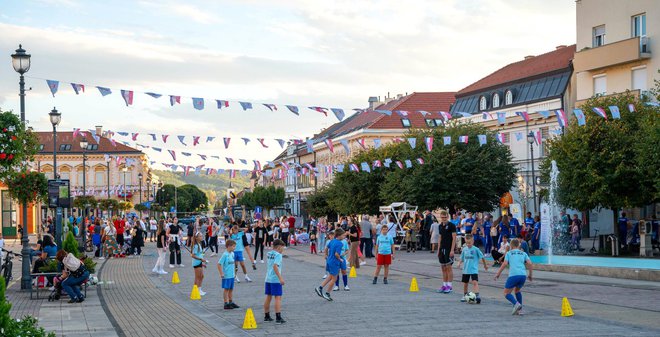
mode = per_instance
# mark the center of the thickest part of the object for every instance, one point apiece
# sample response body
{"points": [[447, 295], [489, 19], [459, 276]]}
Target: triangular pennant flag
{"points": [[222, 103], [281, 142], [485, 115], [53, 86], [446, 140], [519, 136], [257, 165], [78, 87], [245, 105], [399, 164], [134, 136], [198, 103], [226, 140], [384, 112], [339, 113], [428, 141], [544, 113], [181, 138], [195, 140], [172, 153], [463, 139], [229, 160], [328, 143], [320, 109], [245, 140], [524, 115], [270, 107], [501, 117], [377, 143], [209, 139], [128, 96], [424, 113], [464, 114], [614, 110], [561, 118], [360, 142], [153, 136], [121, 133], [156, 149], [538, 137], [104, 91], [153, 94], [165, 138], [500, 138], [412, 141], [344, 142], [76, 132], [482, 140], [600, 112], [403, 113], [420, 161], [387, 163], [293, 109], [261, 141], [113, 142], [175, 99], [243, 161], [365, 167], [187, 154], [631, 107], [408, 163]]}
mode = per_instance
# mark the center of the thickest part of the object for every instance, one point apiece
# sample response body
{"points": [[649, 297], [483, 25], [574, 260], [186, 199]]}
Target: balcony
{"points": [[612, 54]]}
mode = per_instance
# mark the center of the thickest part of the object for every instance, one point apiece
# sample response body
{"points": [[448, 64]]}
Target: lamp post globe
{"points": [[530, 138], [55, 117], [20, 60]]}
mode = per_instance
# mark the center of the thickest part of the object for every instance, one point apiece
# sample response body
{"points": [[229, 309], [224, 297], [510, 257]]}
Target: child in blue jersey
{"points": [[274, 282], [342, 266], [226, 268], [333, 263], [470, 256], [198, 261], [517, 260], [385, 249], [331, 235], [536, 234], [237, 235]]}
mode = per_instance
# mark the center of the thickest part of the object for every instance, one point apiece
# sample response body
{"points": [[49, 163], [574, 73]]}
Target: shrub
{"points": [[70, 244], [19, 327]]}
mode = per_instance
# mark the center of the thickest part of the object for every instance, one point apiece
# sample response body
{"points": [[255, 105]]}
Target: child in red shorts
{"points": [[385, 249]]}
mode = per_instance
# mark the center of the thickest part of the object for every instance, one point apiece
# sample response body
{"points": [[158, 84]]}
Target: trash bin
{"points": [[603, 246]]}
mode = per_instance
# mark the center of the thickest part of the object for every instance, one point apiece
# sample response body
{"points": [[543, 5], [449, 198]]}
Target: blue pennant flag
{"points": [[339, 113], [347, 148], [615, 112], [198, 103], [365, 166], [209, 139], [154, 95], [246, 140], [544, 113], [310, 146], [376, 143], [53, 86], [104, 91], [408, 163], [245, 105], [293, 109], [384, 112], [181, 138]]}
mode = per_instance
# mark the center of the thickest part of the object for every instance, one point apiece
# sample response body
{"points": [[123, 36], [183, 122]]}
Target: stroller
{"points": [[56, 292]]}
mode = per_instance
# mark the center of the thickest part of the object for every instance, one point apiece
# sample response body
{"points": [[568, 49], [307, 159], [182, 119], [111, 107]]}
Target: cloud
{"points": [[186, 11]]}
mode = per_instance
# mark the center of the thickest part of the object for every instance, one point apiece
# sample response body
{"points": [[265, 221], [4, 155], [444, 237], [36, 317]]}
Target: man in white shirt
{"points": [[153, 226]]}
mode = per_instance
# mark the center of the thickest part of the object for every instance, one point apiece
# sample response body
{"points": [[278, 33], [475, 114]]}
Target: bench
{"points": [[35, 287]]}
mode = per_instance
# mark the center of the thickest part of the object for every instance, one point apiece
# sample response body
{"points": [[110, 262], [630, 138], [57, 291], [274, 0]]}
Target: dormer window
{"points": [[508, 97], [405, 122], [496, 100], [483, 103]]}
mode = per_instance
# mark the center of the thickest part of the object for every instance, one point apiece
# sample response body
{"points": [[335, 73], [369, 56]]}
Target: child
{"points": [[516, 259], [342, 265], [198, 261], [312, 245], [331, 235], [470, 256], [447, 239], [536, 234], [385, 249], [333, 262], [274, 282], [574, 235], [226, 268], [237, 236]]}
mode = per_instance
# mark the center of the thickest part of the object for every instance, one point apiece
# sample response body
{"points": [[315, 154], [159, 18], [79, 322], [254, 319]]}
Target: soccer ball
{"points": [[471, 298]]}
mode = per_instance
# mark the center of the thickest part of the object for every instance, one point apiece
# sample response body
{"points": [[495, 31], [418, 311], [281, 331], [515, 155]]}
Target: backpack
{"points": [[71, 262]]}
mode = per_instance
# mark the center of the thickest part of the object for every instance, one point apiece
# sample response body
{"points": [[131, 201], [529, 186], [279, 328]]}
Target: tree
{"points": [[317, 204], [608, 163], [140, 208], [81, 202], [198, 199], [125, 206], [106, 204]]}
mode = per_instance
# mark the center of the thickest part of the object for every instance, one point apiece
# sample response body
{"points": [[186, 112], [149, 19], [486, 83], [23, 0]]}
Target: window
{"points": [[600, 85], [638, 23], [8, 210], [92, 147], [65, 147], [508, 97], [430, 123], [496, 100], [125, 177], [639, 79], [599, 36], [506, 137], [439, 122], [79, 177], [99, 178], [41, 147], [405, 122], [483, 103]]}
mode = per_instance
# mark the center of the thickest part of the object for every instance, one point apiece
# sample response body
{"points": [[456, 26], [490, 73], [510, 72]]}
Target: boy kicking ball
{"points": [[333, 263], [226, 266], [517, 260], [470, 256], [274, 282]]}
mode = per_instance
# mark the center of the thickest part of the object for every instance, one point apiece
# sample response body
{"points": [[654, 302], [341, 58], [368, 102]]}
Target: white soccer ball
{"points": [[471, 298]]}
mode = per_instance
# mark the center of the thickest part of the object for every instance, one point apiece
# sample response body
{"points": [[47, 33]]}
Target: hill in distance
{"points": [[212, 185]]}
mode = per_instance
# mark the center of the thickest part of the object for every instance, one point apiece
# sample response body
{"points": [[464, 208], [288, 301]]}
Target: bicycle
{"points": [[593, 246], [7, 265]]}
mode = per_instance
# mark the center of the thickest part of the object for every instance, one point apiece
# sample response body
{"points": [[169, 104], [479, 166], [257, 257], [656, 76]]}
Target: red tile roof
{"points": [[426, 101], [555, 60], [105, 146]]}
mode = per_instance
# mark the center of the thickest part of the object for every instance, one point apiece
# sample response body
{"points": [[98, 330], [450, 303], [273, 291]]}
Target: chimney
{"points": [[529, 57], [99, 130], [398, 96], [373, 102], [560, 46]]}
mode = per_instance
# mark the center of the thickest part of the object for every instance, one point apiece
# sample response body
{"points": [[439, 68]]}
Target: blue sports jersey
{"points": [[469, 223], [335, 246], [344, 246], [227, 263], [504, 230], [470, 258], [274, 258], [537, 229], [514, 225], [198, 251], [384, 243], [529, 222], [238, 237], [516, 259]]}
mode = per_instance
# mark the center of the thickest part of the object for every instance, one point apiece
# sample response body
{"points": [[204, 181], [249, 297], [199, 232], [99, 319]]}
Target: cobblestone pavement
{"points": [[391, 310], [137, 308]]}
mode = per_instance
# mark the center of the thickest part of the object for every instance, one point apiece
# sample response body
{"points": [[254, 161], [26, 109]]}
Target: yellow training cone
{"points": [[566, 310], [194, 294], [413, 286], [249, 323], [352, 274], [175, 278]]}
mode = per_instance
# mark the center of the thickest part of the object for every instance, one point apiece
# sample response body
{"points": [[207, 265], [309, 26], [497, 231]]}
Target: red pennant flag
{"points": [[134, 136], [320, 109], [361, 143], [195, 140], [226, 140], [261, 140], [172, 153], [165, 138], [328, 142]]}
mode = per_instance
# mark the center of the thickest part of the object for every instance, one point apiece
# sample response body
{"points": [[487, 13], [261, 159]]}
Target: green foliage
{"points": [[317, 204], [105, 204], [266, 197], [82, 201], [608, 163], [27, 187], [11, 327], [70, 244], [89, 263], [140, 207], [125, 206], [189, 198], [17, 145], [51, 267], [467, 176], [198, 199]]}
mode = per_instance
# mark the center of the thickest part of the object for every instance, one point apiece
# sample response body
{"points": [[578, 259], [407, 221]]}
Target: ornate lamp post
{"points": [[21, 63], [531, 140], [55, 118], [107, 164], [140, 181], [83, 146]]}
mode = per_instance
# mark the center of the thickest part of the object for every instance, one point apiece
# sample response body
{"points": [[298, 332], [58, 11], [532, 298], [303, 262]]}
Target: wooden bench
{"points": [[34, 288]]}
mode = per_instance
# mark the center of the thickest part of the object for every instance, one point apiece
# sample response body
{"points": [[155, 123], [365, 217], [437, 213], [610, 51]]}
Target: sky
{"points": [[296, 52]]}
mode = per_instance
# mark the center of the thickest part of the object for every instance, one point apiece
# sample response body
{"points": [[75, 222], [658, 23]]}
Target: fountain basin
{"points": [[635, 269]]}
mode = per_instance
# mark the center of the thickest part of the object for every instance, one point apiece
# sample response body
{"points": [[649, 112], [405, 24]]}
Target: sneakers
{"points": [[202, 292], [346, 288], [362, 263], [449, 290], [327, 296], [155, 271], [442, 290], [162, 272], [101, 258], [385, 281], [233, 305], [280, 321], [319, 291], [171, 266], [247, 279], [180, 266], [237, 280], [478, 300], [325, 276], [335, 288], [262, 261], [268, 319], [516, 309], [375, 280], [213, 254], [229, 307], [464, 298]]}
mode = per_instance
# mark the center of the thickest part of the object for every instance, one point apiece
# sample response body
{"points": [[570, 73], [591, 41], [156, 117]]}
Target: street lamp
{"points": [[140, 180], [531, 139], [21, 63], [83, 146], [124, 170], [55, 118], [107, 164]]}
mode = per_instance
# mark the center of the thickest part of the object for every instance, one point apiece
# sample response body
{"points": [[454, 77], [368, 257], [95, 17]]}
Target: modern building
{"points": [[617, 47], [538, 86]]}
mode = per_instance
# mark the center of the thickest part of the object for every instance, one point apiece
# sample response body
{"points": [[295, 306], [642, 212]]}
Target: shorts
{"points": [[342, 264], [273, 289], [198, 266], [333, 268], [228, 283], [238, 256], [444, 258], [517, 281], [466, 278], [384, 259]]}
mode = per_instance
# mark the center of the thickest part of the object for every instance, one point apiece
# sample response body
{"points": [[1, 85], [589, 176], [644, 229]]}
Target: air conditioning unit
{"points": [[644, 45]]}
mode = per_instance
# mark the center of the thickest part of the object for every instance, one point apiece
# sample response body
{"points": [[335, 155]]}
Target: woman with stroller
{"points": [[74, 275]]}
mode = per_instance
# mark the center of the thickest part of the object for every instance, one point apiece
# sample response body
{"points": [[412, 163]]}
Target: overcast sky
{"points": [[304, 53]]}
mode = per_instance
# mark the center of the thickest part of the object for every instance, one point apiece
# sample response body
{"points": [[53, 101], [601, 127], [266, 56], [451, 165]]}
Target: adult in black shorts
{"points": [[447, 242]]}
